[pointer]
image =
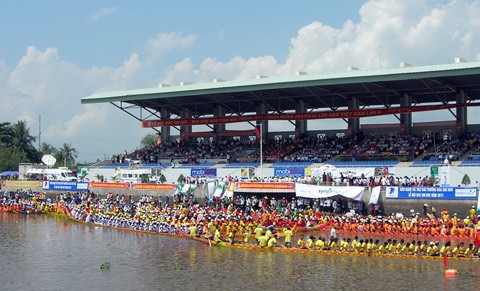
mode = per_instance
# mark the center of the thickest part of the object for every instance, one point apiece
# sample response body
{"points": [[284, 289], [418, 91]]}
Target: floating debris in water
{"points": [[177, 267], [105, 266]]}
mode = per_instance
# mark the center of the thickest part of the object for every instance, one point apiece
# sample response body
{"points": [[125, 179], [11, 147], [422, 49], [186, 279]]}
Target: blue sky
{"points": [[53, 53]]}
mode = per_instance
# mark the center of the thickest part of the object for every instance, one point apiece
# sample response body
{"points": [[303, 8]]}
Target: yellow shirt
{"points": [[271, 242], [193, 230], [246, 237], [300, 243], [262, 241], [309, 243], [216, 237], [288, 235], [258, 232]]}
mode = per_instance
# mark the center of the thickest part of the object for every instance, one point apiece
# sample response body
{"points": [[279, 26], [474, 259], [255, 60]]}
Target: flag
{"points": [[445, 260], [257, 131]]}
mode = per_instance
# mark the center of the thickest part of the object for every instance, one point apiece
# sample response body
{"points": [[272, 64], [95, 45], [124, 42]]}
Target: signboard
{"points": [[21, 184], [314, 191], [289, 172], [203, 172], [434, 171], [143, 186], [265, 187], [108, 185], [64, 186], [447, 193], [346, 172]]}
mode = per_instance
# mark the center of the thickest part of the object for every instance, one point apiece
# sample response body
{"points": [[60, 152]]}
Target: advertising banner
{"points": [[354, 113], [108, 185], [203, 172], [447, 193], [289, 172], [144, 186], [265, 187], [346, 172], [64, 186], [315, 191], [21, 184]]}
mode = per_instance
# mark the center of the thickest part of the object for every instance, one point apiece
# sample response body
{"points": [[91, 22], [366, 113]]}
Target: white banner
{"points": [[219, 190], [229, 192], [445, 176], [337, 172], [478, 203], [314, 191], [210, 189], [375, 195]]}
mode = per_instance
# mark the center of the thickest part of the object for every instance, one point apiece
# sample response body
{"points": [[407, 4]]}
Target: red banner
{"points": [[197, 134], [154, 186], [264, 185], [107, 185], [237, 133], [356, 113]]}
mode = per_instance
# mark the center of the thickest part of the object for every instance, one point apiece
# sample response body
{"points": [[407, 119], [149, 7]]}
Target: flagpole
{"points": [[261, 150]]}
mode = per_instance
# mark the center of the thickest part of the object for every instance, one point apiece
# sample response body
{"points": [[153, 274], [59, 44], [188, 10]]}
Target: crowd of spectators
{"points": [[309, 149]]}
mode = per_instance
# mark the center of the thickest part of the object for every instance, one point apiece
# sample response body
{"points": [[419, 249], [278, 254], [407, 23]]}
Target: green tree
{"points": [[23, 141], [181, 179], [47, 149], [148, 140], [6, 134], [66, 155], [10, 158], [162, 179], [466, 180]]}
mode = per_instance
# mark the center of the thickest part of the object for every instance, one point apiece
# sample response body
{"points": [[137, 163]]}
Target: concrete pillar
{"points": [[219, 112], [461, 113], [300, 125], [262, 109], [165, 130], [353, 123], [186, 128], [405, 118]]}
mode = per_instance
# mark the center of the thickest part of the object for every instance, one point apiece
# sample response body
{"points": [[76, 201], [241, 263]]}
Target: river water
{"points": [[41, 252]]}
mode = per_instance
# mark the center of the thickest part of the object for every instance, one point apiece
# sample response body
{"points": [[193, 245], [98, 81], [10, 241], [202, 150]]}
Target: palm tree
{"points": [[47, 149], [6, 134], [68, 154], [23, 141], [21, 136]]}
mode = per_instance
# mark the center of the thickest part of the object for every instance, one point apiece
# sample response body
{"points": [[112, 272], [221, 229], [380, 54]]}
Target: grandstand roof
{"points": [[381, 87]]}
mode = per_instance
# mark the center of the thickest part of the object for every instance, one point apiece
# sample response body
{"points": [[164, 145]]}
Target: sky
{"points": [[53, 53]]}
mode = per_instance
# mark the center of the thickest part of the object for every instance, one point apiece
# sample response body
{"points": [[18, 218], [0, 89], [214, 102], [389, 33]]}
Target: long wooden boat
{"points": [[66, 211], [283, 249], [385, 234]]}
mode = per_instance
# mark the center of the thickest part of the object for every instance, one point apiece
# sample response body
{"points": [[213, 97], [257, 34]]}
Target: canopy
{"points": [[314, 191], [9, 173]]}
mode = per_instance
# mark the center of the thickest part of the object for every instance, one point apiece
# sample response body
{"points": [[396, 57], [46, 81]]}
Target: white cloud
{"points": [[165, 43], [102, 13]]}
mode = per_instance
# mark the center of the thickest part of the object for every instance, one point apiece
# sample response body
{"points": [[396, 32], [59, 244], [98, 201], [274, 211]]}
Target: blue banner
{"points": [[199, 172], [289, 172], [446, 193], [65, 186]]}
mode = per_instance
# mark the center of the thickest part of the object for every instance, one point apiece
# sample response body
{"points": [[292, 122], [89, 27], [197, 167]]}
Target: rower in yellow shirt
{"points": [[272, 242], [288, 237], [262, 241]]}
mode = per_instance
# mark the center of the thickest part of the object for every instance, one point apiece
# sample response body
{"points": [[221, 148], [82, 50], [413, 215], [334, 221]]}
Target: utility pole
{"points": [[39, 131]]}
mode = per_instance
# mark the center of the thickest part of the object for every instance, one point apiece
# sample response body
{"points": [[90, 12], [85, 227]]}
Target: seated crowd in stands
{"points": [[310, 149]]}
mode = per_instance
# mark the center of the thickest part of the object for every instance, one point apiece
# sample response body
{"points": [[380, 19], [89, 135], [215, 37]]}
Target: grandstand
{"points": [[347, 96]]}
